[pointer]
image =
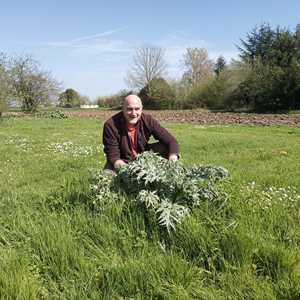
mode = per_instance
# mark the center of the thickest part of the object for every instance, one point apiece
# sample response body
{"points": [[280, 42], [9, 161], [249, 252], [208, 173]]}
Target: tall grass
{"points": [[54, 244]]}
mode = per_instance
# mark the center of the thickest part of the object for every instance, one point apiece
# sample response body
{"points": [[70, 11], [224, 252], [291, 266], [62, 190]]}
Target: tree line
{"points": [[265, 77]]}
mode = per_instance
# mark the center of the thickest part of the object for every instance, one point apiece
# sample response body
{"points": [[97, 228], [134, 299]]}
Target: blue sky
{"points": [[89, 45]]}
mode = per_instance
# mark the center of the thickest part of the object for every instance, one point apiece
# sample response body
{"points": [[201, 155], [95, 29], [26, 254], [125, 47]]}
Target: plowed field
{"points": [[205, 118]]}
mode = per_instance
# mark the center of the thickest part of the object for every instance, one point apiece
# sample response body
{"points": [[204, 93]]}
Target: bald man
{"points": [[127, 133]]}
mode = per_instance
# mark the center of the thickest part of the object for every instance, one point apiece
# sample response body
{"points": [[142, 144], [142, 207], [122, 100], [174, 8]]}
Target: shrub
{"points": [[57, 114], [157, 94], [114, 101], [157, 185], [69, 98]]}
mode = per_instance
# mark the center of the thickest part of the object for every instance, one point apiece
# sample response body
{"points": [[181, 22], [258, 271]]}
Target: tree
{"points": [[31, 85], [274, 81], [257, 44], [5, 86], [148, 64], [69, 98], [157, 94], [220, 65], [198, 67], [113, 101]]}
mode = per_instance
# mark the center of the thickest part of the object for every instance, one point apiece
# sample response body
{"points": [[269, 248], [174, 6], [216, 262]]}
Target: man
{"points": [[127, 133]]}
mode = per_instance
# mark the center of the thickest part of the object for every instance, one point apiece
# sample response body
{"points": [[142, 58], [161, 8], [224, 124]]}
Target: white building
{"points": [[89, 106]]}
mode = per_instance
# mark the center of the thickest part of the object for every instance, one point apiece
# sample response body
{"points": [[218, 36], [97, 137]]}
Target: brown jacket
{"points": [[117, 144]]}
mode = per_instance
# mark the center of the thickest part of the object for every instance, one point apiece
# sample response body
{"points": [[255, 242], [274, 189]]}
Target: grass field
{"points": [[53, 245]]}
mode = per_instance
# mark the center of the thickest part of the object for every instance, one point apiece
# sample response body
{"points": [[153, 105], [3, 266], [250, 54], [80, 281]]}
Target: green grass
{"points": [[54, 245]]}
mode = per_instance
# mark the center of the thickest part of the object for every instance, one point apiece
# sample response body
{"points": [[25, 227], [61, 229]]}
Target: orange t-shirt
{"points": [[132, 136]]}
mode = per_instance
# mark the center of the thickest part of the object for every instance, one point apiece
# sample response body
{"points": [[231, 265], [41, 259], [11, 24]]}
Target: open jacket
{"points": [[117, 143]]}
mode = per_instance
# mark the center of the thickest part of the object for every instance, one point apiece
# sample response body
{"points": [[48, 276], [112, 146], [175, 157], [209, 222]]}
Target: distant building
{"points": [[89, 106]]}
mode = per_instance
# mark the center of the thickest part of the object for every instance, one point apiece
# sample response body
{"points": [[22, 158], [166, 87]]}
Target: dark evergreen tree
{"points": [[274, 54], [220, 65], [257, 44]]}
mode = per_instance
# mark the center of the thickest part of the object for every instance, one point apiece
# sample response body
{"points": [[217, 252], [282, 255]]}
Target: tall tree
{"points": [[258, 44], [197, 66], [220, 65], [148, 63], [274, 55]]}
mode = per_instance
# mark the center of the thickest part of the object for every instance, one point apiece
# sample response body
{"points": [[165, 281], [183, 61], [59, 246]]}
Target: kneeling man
{"points": [[127, 133]]}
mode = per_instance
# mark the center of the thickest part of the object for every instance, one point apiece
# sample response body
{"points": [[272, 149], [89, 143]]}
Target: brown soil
{"points": [[194, 117], [205, 118]]}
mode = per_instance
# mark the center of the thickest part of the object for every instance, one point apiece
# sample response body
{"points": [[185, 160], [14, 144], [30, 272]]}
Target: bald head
{"points": [[132, 99], [132, 109]]}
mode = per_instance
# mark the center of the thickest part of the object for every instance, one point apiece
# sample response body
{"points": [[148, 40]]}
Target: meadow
{"points": [[55, 245]]}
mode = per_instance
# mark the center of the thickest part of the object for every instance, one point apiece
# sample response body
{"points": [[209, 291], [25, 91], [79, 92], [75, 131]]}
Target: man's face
{"points": [[132, 109]]}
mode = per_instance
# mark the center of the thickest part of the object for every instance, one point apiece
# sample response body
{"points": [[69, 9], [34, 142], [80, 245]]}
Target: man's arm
{"points": [[163, 135], [112, 146]]}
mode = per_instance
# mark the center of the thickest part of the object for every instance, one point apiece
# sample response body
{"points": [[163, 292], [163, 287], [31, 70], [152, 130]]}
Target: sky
{"points": [[89, 45]]}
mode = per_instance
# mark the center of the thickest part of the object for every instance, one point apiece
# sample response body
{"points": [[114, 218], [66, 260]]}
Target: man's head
{"points": [[132, 109]]}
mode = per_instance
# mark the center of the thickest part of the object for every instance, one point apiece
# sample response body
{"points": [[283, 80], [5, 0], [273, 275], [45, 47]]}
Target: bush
{"points": [[69, 98], [219, 92], [114, 101], [157, 94], [274, 81], [268, 88], [57, 114]]}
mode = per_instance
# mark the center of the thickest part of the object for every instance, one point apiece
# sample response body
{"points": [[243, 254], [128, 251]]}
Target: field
{"points": [[55, 245]]}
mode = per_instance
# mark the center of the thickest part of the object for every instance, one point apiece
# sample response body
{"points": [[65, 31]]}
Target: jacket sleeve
{"points": [[111, 143], [164, 136]]}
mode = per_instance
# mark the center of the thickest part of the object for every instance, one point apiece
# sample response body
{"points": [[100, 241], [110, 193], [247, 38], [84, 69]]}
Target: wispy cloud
{"points": [[89, 41], [101, 60], [102, 34]]}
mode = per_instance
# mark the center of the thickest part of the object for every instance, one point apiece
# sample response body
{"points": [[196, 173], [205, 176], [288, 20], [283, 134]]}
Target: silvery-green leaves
{"points": [[167, 188], [101, 187], [169, 214]]}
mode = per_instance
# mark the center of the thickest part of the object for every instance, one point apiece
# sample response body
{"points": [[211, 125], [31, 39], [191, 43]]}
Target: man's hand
{"points": [[119, 163], [173, 157]]}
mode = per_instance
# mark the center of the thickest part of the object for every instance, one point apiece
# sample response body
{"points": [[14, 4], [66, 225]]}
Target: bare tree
{"points": [[148, 64], [197, 66], [32, 86]]}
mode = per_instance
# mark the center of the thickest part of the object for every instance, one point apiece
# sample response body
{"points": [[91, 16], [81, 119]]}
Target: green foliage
{"points": [[258, 44], [57, 114], [215, 94], [115, 101], [5, 84], [69, 98], [167, 187], [274, 82], [3, 106], [220, 65], [157, 94]]}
